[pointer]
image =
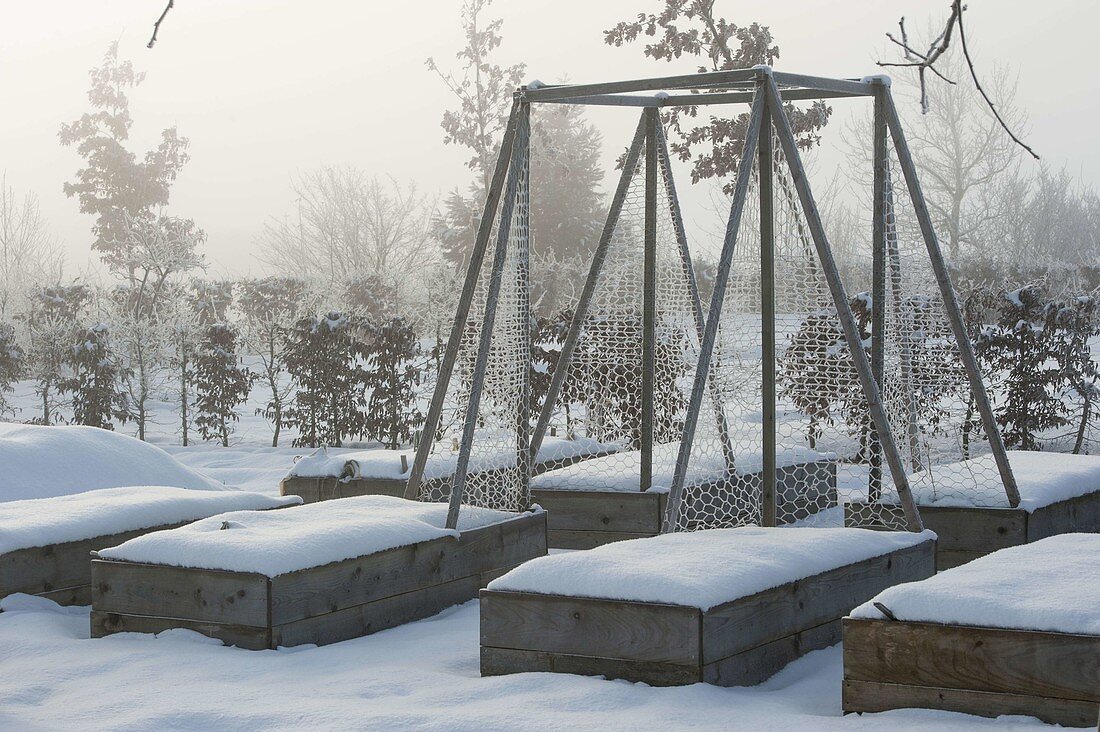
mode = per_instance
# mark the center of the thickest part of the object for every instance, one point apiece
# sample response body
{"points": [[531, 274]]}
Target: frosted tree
{"points": [[390, 373], [50, 325], [27, 251], [271, 307], [222, 383], [324, 359], [11, 367], [97, 399]]}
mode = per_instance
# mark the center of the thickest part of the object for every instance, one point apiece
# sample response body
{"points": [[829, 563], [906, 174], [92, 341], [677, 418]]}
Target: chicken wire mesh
{"points": [[497, 473]]}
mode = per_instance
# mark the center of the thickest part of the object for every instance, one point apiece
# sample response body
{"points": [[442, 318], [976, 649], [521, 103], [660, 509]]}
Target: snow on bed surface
{"points": [[1042, 477], [378, 463], [44, 521], [275, 542], [44, 462], [702, 568], [1052, 584], [621, 471]]}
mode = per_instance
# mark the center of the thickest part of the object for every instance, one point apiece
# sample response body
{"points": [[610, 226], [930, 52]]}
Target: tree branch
{"points": [[156, 26]]}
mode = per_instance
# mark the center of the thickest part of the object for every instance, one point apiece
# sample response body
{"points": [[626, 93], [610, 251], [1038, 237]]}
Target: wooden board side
{"points": [[499, 661], [608, 511], [242, 636]]}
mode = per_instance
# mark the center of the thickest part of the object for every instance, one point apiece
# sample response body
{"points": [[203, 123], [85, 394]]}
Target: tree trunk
{"points": [[46, 404], [183, 394]]}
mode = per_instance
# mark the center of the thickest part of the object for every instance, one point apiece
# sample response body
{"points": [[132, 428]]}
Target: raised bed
{"points": [[1059, 493], [45, 543], [318, 573], [723, 606], [1015, 632]]}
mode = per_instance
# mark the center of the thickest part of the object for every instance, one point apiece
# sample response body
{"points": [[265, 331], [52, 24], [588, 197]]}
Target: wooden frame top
{"points": [[736, 86]]}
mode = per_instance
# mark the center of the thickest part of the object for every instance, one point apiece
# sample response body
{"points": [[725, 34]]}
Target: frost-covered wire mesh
{"points": [[497, 472], [599, 409]]}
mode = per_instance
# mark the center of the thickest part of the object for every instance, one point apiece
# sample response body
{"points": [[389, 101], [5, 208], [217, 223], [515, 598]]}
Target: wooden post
{"points": [[477, 379], [450, 356], [649, 301], [878, 287], [524, 459], [561, 369], [706, 348], [951, 304], [840, 302], [767, 323]]}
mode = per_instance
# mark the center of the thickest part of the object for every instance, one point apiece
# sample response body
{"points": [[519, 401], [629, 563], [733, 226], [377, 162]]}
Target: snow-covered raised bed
{"points": [[598, 501], [724, 606], [45, 542], [1059, 494], [1013, 632], [317, 573], [45, 462]]}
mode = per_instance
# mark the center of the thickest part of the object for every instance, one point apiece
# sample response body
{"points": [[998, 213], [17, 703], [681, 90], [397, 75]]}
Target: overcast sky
{"points": [[264, 89]]}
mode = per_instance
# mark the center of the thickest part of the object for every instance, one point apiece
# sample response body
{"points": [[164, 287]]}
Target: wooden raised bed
{"points": [[966, 533], [583, 519], [741, 642], [976, 670], [323, 604]]}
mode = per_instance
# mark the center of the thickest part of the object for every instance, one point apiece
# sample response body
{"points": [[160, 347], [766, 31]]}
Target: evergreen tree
{"points": [[547, 339], [323, 357], [391, 373], [115, 184], [11, 366], [270, 307], [1077, 318], [370, 298], [97, 400], [221, 383]]}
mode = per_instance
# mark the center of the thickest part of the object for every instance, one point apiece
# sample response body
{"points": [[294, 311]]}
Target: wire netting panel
{"points": [[497, 473]]}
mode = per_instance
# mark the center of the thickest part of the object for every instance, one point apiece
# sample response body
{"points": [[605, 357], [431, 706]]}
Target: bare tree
{"points": [[28, 254], [348, 224]]}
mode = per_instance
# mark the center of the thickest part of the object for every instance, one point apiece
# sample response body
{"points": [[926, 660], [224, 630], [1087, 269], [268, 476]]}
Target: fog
{"points": [[265, 89]]}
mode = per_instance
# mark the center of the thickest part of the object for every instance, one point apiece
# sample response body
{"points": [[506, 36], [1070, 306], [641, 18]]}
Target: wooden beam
{"points": [[848, 87], [649, 302], [709, 80], [767, 323]]}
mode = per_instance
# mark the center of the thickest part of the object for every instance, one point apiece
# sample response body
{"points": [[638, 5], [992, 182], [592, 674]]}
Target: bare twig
{"points": [[156, 26], [926, 61]]}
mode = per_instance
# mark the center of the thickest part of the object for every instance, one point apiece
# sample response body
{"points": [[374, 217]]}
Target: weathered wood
{"points": [[954, 558], [79, 595], [321, 604], [341, 585], [206, 595], [1035, 663], [499, 661], [568, 539], [871, 696], [632, 631], [1081, 513], [709, 80], [758, 664], [781, 611], [617, 511], [57, 569], [242, 636]]}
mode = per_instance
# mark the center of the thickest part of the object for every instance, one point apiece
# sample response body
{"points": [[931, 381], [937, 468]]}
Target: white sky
{"points": [[267, 88]]}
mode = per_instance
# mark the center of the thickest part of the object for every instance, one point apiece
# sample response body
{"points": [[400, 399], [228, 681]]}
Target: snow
{"points": [[1042, 477], [1049, 585], [250, 468], [386, 464], [45, 521], [621, 471], [883, 79], [44, 462], [276, 542], [702, 568]]}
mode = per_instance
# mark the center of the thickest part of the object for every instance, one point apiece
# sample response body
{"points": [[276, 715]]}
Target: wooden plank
{"points": [[976, 529], [759, 664], [233, 598], [870, 696], [242, 636], [1079, 514], [631, 631], [569, 539], [1033, 663], [849, 87], [948, 558], [498, 661], [614, 511], [752, 621], [44, 569], [369, 487], [707, 80], [309, 489], [339, 585], [79, 595]]}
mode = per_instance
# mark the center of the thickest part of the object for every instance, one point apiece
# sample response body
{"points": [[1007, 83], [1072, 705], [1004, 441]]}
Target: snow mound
{"points": [[276, 542], [386, 464], [45, 521], [702, 568], [1049, 585], [45, 462], [1042, 477]]}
